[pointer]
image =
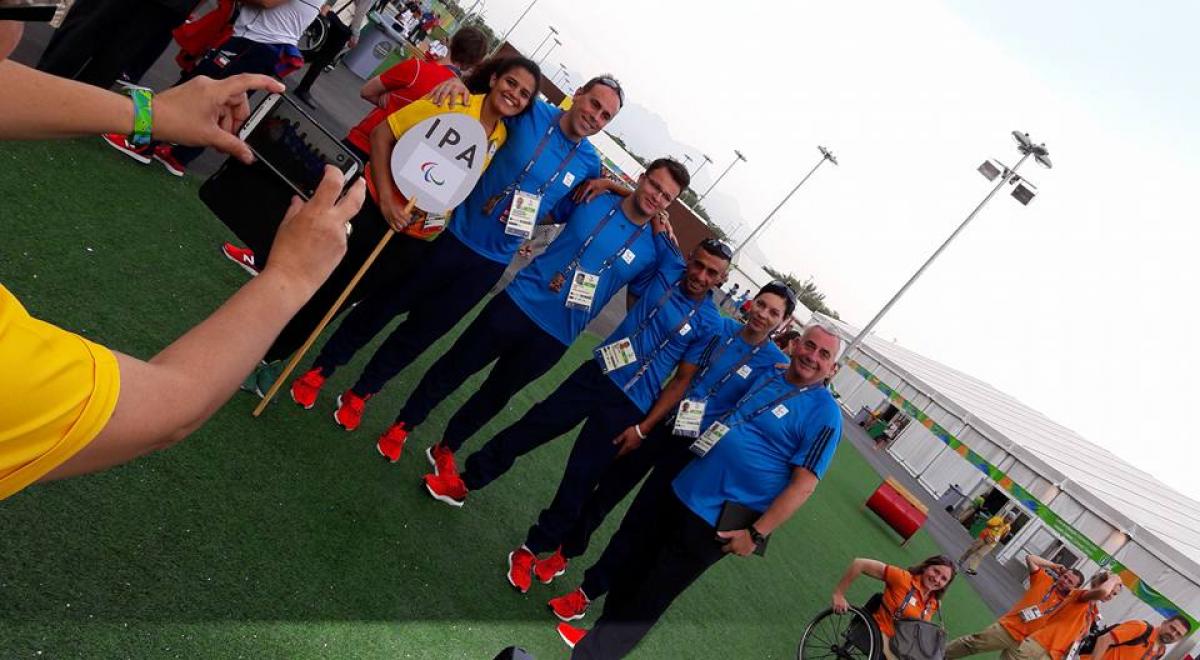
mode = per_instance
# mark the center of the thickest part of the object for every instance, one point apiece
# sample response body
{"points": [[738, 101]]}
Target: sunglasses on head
{"points": [[612, 84], [714, 245], [782, 288]]}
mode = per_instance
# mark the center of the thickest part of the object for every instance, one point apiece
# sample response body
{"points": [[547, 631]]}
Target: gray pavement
{"points": [[994, 584]]}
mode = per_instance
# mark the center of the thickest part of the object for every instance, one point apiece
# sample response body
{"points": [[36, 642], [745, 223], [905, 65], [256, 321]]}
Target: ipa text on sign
{"points": [[437, 162]]}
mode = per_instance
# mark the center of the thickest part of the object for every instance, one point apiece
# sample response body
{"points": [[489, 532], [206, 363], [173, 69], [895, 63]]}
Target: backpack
{"points": [[1089, 641]]}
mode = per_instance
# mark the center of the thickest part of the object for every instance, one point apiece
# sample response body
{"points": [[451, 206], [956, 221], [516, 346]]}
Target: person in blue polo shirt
{"points": [[607, 243], [767, 454], [546, 155], [616, 394], [734, 358]]}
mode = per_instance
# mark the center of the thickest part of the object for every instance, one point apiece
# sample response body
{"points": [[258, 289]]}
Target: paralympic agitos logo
{"points": [[427, 169]]}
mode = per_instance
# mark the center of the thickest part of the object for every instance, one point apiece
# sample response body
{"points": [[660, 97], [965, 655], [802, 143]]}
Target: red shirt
{"points": [[406, 82]]}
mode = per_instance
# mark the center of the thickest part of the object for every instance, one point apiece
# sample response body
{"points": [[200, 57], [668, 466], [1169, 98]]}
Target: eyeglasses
{"points": [[714, 245], [610, 83]]}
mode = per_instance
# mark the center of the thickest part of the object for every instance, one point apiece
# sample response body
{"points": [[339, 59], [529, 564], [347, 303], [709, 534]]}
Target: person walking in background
{"points": [[344, 28], [1049, 586], [988, 539]]}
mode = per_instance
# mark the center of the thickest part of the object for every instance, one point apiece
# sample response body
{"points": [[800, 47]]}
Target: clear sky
{"points": [[1081, 304]]}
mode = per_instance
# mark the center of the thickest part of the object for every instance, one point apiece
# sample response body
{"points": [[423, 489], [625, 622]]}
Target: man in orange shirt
{"points": [[1063, 629], [1049, 585], [1139, 640]]}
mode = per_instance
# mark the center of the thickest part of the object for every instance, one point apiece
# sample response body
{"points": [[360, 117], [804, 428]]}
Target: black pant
{"points": [[662, 455], [99, 39], [449, 281], [675, 546], [338, 35], [586, 396], [502, 332], [401, 254], [252, 199], [236, 55]]}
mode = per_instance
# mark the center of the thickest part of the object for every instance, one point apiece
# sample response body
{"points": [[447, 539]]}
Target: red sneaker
{"points": [[571, 606], [447, 488], [122, 144], [350, 410], [551, 567], [391, 443], [243, 257], [305, 388], [520, 568], [570, 634], [442, 459], [164, 155]]}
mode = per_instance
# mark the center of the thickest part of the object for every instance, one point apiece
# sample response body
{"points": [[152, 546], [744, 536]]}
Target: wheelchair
{"points": [[850, 636]]}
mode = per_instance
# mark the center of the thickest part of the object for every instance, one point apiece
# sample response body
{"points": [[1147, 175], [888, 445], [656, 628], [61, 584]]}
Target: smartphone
{"points": [[27, 10], [284, 138]]}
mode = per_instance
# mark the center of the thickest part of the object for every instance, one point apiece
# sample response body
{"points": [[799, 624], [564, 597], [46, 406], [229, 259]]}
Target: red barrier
{"points": [[898, 508]]}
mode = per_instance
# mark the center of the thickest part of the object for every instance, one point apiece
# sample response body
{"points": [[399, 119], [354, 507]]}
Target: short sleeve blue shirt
{"points": [[606, 256], [728, 367], [665, 340], [753, 463], [484, 232]]}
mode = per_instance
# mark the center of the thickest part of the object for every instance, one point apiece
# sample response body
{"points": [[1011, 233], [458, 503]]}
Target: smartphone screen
{"points": [[27, 10], [297, 148]]}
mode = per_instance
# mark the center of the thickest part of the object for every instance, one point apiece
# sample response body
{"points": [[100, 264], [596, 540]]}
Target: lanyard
{"points": [[592, 236], [792, 391], [533, 159], [649, 359], [900, 608], [731, 370]]}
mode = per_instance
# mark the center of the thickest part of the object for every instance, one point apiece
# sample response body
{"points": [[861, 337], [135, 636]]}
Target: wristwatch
{"points": [[755, 535]]}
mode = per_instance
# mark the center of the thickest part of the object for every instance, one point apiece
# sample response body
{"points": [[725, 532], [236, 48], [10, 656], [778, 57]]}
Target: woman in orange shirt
{"points": [[909, 593]]}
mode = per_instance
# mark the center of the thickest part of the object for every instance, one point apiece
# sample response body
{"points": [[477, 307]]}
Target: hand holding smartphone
{"points": [[294, 146]]}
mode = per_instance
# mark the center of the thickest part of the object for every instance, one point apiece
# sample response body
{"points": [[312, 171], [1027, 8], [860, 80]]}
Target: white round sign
{"points": [[437, 162]]}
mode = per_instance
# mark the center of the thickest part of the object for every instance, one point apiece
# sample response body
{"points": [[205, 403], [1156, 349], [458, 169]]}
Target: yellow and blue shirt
{"points": [[666, 328], [621, 253], [57, 392], [768, 436], [482, 231]]}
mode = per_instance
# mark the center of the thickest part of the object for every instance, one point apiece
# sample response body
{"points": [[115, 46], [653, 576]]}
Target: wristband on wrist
{"points": [[639, 431], [143, 115]]}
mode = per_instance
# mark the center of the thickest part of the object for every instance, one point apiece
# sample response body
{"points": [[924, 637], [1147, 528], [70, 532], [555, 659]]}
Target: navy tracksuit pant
{"points": [[586, 396], [502, 332], [450, 280]]}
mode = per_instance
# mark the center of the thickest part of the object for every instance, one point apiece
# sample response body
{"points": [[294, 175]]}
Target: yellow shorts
{"points": [[57, 392]]}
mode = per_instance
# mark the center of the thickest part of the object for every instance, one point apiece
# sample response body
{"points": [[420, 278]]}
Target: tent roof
{"points": [[1141, 500]]}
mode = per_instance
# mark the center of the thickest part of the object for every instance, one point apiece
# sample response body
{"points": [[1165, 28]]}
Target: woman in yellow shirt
{"points": [[69, 406]]}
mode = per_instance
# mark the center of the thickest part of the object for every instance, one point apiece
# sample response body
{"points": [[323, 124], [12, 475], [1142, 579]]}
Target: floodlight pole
{"points": [[549, 34], [1004, 178], [704, 162], [549, 50], [513, 27], [714, 185], [825, 156]]}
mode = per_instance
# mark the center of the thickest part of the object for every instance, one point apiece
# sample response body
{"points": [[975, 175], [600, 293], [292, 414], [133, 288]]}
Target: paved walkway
{"points": [[994, 585]]}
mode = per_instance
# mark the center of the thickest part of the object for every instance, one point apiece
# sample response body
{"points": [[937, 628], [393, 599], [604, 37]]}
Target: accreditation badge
{"points": [[709, 439], [583, 290], [688, 418], [435, 222], [522, 214], [618, 354], [1031, 613]]}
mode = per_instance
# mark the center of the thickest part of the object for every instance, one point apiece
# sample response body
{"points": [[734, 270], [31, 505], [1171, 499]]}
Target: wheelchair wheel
{"points": [[850, 636], [314, 36]]}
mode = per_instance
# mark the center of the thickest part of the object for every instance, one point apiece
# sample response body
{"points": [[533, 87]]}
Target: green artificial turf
{"points": [[285, 536]]}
